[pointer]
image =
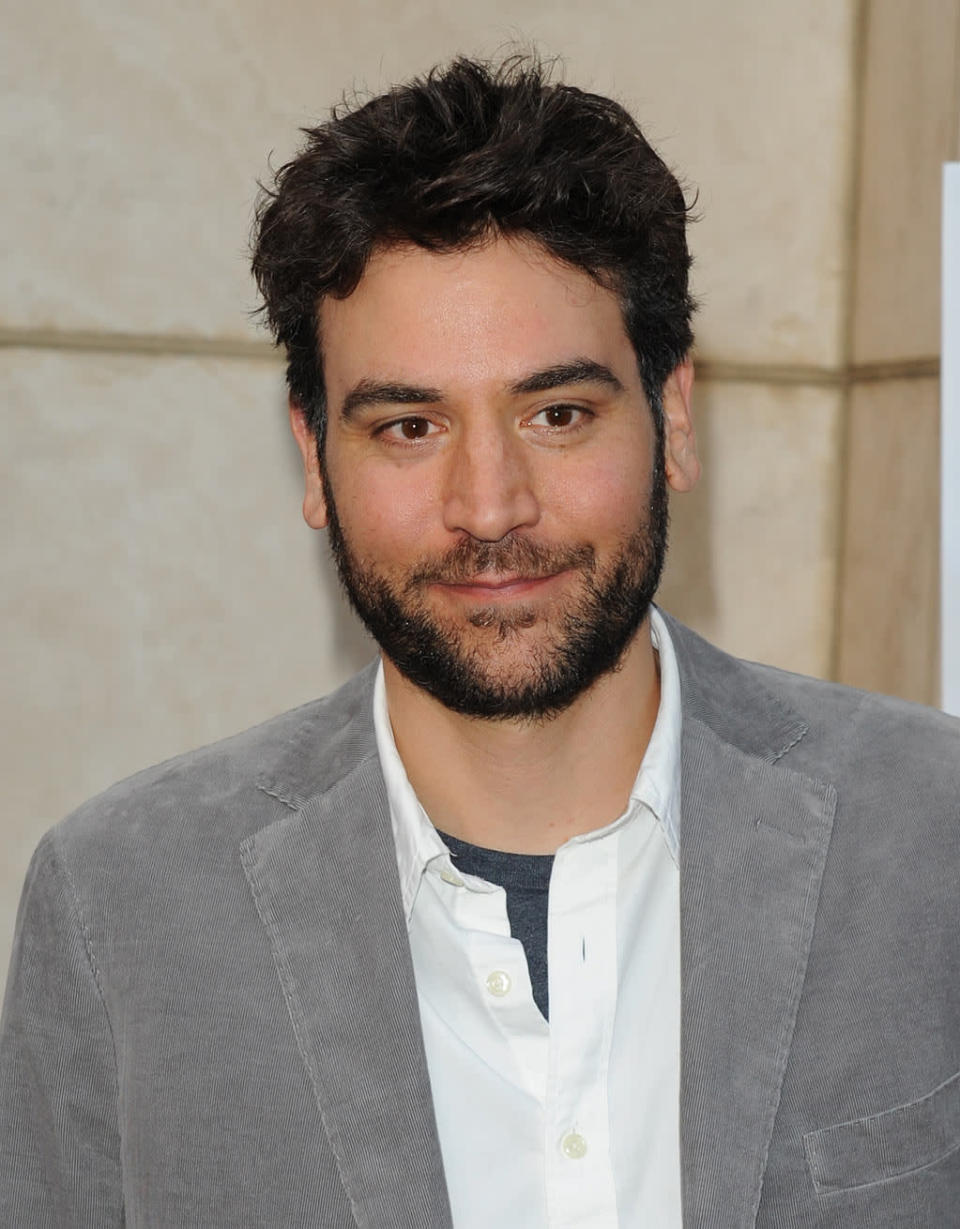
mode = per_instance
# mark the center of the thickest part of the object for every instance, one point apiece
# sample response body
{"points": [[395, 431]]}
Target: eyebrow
{"points": [[367, 392], [376, 392], [576, 371]]}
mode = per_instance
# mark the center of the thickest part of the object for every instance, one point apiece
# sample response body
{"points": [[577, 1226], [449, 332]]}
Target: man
{"points": [[558, 916]]}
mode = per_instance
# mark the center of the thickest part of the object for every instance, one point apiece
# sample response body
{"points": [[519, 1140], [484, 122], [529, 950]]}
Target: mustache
{"points": [[510, 556]]}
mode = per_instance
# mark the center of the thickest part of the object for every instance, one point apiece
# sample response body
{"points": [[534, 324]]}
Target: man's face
{"points": [[493, 486]]}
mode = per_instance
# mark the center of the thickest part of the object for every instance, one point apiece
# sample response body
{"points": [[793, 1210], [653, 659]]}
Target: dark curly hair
{"points": [[468, 151]]}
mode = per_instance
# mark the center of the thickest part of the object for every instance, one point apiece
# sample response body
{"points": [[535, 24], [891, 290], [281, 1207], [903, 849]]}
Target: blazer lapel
{"points": [[326, 886], [753, 843]]}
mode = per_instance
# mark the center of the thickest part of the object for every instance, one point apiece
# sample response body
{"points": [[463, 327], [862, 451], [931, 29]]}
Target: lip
{"points": [[500, 588]]}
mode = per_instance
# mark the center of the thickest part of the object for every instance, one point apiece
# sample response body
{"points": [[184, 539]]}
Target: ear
{"points": [[680, 440], [314, 496]]}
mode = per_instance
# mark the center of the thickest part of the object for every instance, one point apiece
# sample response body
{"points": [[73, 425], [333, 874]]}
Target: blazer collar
{"points": [[723, 694], [332, 738]]}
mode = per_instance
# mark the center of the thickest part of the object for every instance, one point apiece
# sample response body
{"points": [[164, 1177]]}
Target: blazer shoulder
{"points": [[823, 728], [235, 785], [894, 735]]}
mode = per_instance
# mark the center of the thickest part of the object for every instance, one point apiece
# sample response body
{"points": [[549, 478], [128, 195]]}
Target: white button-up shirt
{"points": [[575, 1123]]}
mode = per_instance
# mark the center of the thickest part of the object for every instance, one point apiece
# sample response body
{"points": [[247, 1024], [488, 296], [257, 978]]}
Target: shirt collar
{"points": [[657, 784], [658, 781]]}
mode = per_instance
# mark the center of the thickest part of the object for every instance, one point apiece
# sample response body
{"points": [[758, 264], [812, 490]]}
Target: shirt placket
{"points": [[583, 994]]}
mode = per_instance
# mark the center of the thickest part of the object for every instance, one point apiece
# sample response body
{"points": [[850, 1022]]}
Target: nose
{"points": [[489, 485]]}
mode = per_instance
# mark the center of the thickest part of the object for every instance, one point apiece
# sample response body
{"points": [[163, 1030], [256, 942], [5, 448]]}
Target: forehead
{"points": [[490, 313]]}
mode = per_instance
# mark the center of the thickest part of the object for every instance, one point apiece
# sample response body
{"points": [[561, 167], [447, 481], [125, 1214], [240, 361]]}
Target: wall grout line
{"points": [[714, 370], [160, 344], [859, 67], [829, 377]]}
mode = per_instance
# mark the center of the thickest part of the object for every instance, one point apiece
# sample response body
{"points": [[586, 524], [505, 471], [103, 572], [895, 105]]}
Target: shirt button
{"points": [[451, 877], [498, 983], [573, 1146]]}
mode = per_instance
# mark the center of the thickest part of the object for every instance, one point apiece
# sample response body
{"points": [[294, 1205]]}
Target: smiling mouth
{"points": [[499, 588]]}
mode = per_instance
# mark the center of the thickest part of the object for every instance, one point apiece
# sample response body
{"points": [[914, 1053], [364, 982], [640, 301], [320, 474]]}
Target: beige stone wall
{"points": [[909, 115], [159, 590]]}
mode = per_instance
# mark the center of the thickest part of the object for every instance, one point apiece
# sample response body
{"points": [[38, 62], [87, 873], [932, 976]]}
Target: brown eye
{"points": [[413, 428], [559, 417]]}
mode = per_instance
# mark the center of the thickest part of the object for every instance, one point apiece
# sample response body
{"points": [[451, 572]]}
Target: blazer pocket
{"points": [[888, 1145]]}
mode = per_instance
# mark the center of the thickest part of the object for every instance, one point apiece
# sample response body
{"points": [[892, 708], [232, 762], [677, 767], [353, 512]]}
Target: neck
{"points": [[529, 786]]}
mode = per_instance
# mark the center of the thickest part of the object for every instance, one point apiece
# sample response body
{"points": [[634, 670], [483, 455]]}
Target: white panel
{"points": [[950, 444]]}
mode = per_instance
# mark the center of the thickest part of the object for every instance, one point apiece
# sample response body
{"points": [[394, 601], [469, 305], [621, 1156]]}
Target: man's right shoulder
{"points": [[231, 788]]}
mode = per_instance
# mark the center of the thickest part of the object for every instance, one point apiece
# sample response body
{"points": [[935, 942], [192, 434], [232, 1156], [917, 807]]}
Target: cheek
{"points": [[608, 496], [385, 513]]}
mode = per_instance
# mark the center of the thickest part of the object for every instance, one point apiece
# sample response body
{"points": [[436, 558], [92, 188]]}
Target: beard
{"points": [[511, 660]]}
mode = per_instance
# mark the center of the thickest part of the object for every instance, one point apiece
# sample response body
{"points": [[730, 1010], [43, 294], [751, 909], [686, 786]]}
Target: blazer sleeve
{"points": [[59, 1134]]}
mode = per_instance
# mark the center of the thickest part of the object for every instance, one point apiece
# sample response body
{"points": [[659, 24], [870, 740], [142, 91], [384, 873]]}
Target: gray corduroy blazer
{"points": [[211, 1017]]}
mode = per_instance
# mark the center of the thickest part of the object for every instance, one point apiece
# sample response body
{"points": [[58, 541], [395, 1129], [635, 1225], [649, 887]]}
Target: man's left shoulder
{"points": [[833, 731], [869, 732]]}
